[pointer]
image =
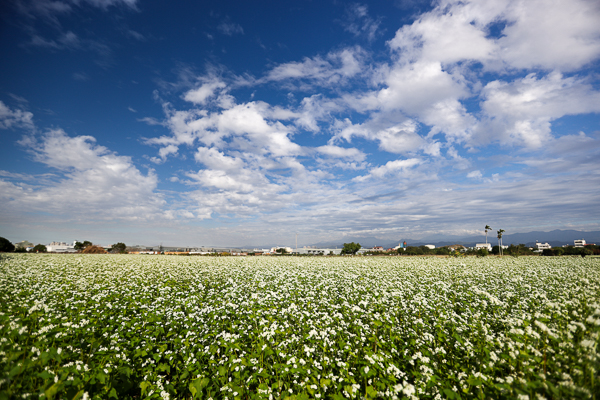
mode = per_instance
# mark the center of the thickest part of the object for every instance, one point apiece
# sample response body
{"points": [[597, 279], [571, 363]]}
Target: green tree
{"points": [[6, 246], [586, 252], [483, 252], [118, 248], [351, 248], [39, 248], [281, 250], [487, 228], [81, 246], [413, 251], [20, 250], [442, 251], [500, 232]]}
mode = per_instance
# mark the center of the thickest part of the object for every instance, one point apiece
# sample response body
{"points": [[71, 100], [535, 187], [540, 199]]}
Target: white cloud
{"points": [[164, 152], [520, 112], [334, 69], [535, 34], [341, 152], [415, 87], [359, 23], [389, 169], [451, 32], [10, 119], [93, 183], [475, 174], [207, 90], [215, 159], [560, 35]]}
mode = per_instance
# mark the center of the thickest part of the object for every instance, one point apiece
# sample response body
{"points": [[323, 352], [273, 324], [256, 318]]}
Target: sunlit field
{"points": [[168, 327]]}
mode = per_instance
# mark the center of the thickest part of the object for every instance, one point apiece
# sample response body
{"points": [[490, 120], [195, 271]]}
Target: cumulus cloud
{"points": [[202, 93], [390, 169], [91, 182], [10, 119], [520, 112], [341, 152], [561, 36]]}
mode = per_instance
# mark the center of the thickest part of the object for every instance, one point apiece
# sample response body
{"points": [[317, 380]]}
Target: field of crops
{"points": [[166, 327]]}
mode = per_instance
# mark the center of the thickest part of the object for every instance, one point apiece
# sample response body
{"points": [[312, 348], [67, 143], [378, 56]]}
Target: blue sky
{"points": [[228, 123]]}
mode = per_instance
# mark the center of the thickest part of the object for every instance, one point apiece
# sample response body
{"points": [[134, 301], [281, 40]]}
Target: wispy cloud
{"points": [[358, 22], [229, 28]]}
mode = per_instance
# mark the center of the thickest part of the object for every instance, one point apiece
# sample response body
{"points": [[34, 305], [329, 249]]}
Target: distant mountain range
{"points": [[554, 238]]}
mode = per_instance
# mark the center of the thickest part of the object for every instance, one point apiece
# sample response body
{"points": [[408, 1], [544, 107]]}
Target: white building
{"points": [[430, 246], [288, 250], [487, 246], [579, 243], [60, 247], [541, 246], [320, 251]]}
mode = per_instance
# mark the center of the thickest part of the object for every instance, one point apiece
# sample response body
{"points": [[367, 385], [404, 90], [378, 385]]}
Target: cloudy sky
{"points": [[227, 123]]}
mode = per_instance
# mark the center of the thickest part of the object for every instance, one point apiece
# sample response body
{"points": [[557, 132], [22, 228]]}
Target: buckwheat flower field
{"points": [[167, 327]]}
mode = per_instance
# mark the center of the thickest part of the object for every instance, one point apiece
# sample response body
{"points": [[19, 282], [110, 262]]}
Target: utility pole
{"points": [[296, 243]]}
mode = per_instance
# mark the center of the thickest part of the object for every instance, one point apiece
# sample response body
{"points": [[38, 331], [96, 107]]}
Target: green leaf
{"points": [[52, 390], [474, 381], [44, 375], [144, 386], [449, 393], [371, 392], [78, 395], [197, 385], [15, 371]]}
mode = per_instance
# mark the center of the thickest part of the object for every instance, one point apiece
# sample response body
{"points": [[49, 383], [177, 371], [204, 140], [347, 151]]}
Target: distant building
{"points": [[401, 246], [541, 246], [579, 243], [430, 246], [458, 247], [60, 247], [319, 251], [288, 250], [374, 249], [487, 246], [25, 244]]}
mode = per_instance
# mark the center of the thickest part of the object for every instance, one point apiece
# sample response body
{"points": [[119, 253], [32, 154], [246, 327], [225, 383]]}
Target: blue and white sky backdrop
{"points": [[240, 122]]}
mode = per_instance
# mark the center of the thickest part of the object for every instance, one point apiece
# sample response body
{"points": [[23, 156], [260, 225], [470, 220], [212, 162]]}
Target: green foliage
{"points": [[82, 245], [136, 327], [442, 251], [520, 250], [39, 248], [281, 250], [6, 246], [413, 251], [118, 248], [548, 252], [20, 250], [483, 252], [351, 248]]}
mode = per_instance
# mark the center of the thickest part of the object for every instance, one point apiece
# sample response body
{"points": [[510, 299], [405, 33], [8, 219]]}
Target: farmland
{"points": [[119, 326]]}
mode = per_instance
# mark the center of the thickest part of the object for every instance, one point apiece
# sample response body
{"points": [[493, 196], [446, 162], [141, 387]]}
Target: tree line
{"points": [[86, 247]]}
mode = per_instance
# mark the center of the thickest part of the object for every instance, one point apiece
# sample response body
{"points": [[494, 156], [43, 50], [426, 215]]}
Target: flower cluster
{"points": [[103, 326]]}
